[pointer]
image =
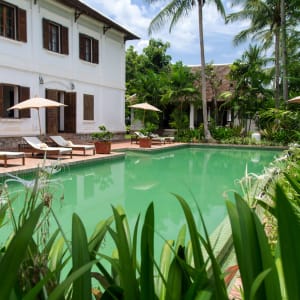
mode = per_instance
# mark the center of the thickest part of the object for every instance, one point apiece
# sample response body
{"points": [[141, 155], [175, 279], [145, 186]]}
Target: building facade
{"points": [[65, 51]]}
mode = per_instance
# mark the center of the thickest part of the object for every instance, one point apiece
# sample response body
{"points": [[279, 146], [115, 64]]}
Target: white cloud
{"points": [[184, 38]]}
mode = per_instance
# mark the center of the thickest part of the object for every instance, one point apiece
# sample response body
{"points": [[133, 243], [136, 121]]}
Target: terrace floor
{"points": [[31, 163]]}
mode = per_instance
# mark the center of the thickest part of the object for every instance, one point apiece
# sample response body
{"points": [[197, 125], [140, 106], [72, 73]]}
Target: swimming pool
{"points": [[205, 175]]}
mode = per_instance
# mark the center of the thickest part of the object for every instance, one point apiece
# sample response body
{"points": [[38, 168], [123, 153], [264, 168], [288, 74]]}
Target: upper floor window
{"points": [[11, 95], [13, 22], [88, 48], [55, 37]]}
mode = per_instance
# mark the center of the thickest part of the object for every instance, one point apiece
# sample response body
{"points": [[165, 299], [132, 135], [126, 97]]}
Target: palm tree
{"points": [[265, 26], [173, 11]]}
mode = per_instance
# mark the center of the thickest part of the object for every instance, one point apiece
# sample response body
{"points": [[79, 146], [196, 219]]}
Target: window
{"points": [[88, 49], [11, 95], [55, 37], [88, 107], [13, 22]]}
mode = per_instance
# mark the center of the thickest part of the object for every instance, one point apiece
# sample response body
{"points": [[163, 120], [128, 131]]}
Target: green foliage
{"points": [[102, 135], [188, 268]]}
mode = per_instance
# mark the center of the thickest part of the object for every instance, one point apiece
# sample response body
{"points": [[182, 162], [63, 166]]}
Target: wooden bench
{"points": [[6, 155]]}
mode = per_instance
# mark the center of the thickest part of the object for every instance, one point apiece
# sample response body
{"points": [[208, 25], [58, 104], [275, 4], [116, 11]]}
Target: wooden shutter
{"points": [[24, 93], [52, 113], [81, 46], [46, 34], [88, 107], [64, 40], [1, 101], [95, 50], [21, 25], [70, 112]]}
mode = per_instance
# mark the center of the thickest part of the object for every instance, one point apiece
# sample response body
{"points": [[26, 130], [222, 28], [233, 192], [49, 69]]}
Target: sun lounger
{"points": [[60, 141], [157, 138], [37, 146], [6, 155]]}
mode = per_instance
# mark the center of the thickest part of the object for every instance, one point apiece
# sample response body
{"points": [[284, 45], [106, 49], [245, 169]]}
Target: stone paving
{"points": [[31, 163]]}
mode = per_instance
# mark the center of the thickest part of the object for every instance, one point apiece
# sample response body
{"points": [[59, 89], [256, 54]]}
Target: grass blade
{"points": [[80, 256], [288, 216], [147, 255], [197, 252]]}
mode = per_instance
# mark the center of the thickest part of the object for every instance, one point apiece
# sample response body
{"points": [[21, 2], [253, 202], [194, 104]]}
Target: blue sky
{"points": [[136, 15]]}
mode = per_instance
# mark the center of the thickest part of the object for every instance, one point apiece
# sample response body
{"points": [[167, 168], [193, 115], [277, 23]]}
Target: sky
{"points": [[136, 15]]}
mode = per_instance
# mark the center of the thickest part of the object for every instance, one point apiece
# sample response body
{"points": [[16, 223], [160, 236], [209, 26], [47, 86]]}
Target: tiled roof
{"points": [[221, 75]]}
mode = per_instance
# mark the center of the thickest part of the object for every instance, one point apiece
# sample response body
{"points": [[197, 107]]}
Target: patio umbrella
{"points": [[145, 106], [294, 100], [37, 103]]}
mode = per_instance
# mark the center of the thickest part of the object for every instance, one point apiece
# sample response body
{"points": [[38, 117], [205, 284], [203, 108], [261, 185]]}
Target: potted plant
{"points": [[146, 142], [102, 140]]}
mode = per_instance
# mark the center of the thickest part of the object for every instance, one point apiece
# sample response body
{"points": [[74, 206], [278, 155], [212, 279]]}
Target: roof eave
{"points": [[83, 8]]}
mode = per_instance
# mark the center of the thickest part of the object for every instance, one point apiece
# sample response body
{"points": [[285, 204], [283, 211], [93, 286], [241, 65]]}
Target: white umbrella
{"points": [[294, 100], [145, 106], [37, 103]]}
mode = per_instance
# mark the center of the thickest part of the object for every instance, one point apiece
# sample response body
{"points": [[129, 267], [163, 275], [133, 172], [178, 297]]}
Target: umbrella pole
{"points": [[39, 122]]}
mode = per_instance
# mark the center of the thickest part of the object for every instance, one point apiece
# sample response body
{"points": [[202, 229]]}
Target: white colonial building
{"points": [[65, 51]]}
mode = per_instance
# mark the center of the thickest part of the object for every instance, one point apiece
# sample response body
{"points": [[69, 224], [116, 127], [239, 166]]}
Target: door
{"points": [[52, 119], [70, 113]]}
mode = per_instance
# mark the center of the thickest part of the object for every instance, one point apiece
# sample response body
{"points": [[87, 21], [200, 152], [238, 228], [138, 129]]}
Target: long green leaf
{"points": [[271, 282], [165, 261], [174, 290], [80, 256], [59, 291], [219, 286], [10, 262], [3, 210], [197, 252], [257, 283], [127, 275], [147, 255], [288, 230], [250, 262]]}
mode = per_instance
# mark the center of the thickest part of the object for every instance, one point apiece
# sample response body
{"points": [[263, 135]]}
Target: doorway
{"points": [[62, 119]]}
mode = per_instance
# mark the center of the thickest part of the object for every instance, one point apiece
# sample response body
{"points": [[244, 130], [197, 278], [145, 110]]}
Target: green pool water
{"points": [[203, 175]]}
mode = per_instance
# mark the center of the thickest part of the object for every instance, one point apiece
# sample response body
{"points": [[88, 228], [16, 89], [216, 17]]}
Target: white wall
{"points": [[23, 64]]}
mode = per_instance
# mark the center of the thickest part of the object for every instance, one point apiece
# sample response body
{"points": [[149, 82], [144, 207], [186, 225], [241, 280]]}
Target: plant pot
{"points": [[102, 147], [145, 142]]}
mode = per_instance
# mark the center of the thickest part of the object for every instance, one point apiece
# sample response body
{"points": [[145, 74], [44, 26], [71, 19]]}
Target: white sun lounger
{"points": [[37, 146], [60, 141], [6, 155]]}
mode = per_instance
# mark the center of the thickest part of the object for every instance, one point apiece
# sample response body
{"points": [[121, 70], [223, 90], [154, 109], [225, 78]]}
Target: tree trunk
{"points": [[277, 69], [207, 134], [284, 51]]}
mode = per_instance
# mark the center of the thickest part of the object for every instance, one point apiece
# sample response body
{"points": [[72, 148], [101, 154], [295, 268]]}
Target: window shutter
{"points": [[46, 34], [64, 40], [95, 51], [1, 101], [24, 93], [21, 25], [88, 107], [81, 46]]}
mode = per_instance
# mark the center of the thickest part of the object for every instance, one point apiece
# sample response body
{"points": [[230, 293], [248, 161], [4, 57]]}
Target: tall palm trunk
{"points": [[283, 51], [277, 68], [207, 134]]}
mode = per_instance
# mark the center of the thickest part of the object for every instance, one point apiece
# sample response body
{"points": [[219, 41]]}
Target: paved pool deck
{"points": [[32, 162]]}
